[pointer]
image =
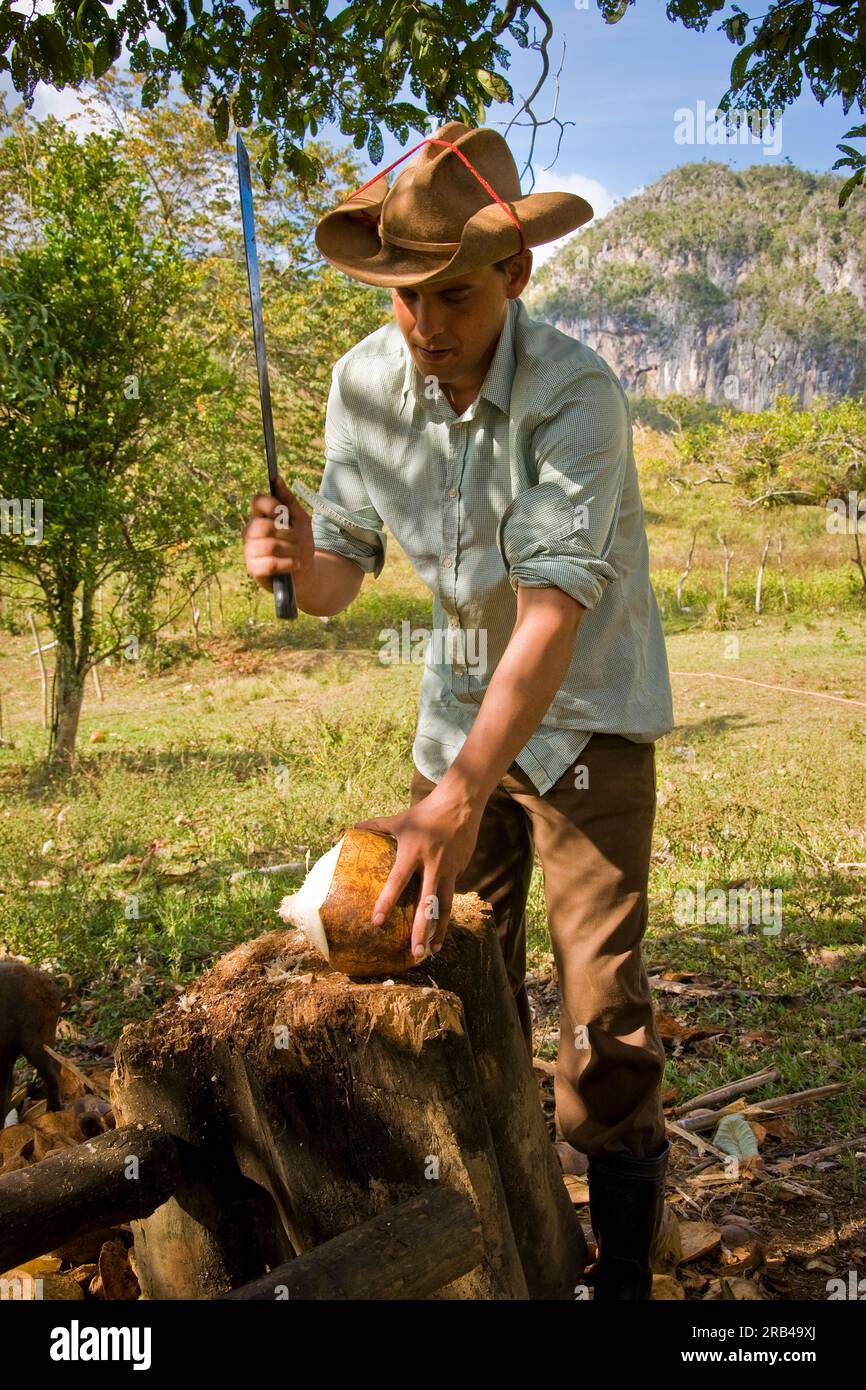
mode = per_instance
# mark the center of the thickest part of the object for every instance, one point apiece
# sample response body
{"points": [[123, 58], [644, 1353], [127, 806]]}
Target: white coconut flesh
{"points": [[303, 909]]}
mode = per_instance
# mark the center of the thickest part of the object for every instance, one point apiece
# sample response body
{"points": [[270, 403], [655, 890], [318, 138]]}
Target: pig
{"points": [[30, 1004]]}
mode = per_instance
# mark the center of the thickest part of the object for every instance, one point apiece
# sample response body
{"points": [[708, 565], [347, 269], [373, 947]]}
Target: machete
{"points": [[284, 589]]}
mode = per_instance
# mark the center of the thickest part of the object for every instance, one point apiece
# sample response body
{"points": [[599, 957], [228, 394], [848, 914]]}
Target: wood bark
{"points": [[408, 1251], [546, 1229], [334, 1099], [123, 1174]]}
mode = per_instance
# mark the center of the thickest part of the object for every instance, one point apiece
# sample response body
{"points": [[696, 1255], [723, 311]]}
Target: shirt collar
{"points": [[496, 386]]}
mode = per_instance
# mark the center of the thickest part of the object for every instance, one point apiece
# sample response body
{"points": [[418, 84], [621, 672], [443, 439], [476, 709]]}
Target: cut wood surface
{"points": [[309, 1102]]}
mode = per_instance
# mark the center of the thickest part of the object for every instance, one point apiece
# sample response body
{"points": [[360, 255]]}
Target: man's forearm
{"points": [[525, 681], [329, 585]]}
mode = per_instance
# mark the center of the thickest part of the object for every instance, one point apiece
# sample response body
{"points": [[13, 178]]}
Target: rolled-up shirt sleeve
{"points": [[345, 521], [559, 532]]}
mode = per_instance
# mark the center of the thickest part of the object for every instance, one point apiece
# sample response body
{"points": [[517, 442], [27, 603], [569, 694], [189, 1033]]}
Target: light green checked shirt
{"points": [[534, 484]]}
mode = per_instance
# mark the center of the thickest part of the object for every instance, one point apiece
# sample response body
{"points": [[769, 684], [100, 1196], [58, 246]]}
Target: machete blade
{"points": [[284, 589]]}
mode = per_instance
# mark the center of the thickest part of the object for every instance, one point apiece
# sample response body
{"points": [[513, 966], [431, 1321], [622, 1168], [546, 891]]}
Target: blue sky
{"points": [[622, 86]]}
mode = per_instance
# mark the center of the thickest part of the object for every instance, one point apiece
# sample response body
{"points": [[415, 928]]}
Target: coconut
{"points": [[302, 908], [334, 907]]}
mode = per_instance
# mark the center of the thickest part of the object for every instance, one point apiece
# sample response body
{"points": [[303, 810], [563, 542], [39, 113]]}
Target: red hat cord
{"points": [[373, 218]]}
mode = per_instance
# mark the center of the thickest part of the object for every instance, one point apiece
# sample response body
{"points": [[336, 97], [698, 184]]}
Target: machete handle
{"points": [[285, 603], [284, 596]]}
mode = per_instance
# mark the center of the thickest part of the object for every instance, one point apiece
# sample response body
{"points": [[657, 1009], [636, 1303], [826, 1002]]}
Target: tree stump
{"points": [[307, 1103]]}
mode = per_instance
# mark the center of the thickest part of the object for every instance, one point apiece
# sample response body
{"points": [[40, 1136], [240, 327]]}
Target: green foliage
{"points": [[789, 42], [784, 456], [313, 314], [127, 373], [288, 70], [699, 295], [611, 287], [285, 70], [671, 414], [99, 380], [95, 393]]}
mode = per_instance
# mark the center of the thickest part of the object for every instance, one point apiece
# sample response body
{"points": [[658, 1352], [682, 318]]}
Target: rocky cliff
{"points": [[720, 284]]}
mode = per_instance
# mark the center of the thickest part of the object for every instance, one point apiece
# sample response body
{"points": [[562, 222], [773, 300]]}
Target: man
{"points": [[498, 452]]}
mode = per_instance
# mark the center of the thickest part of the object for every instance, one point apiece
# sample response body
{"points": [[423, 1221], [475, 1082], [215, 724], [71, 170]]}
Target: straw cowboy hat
{"points": [[457, 208]]}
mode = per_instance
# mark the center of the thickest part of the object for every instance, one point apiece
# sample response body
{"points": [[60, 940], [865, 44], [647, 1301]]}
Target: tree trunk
{"points": [[74, 649], [67, 699], [546, 1228], [335, 1099]]}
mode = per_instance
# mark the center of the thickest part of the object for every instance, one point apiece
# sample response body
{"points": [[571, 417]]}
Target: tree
{"points": [[785, 456], [112, 410], [313, 313], [288, 68]]}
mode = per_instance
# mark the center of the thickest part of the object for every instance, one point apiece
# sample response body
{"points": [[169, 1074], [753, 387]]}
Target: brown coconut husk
{"points": [[354, 945]]}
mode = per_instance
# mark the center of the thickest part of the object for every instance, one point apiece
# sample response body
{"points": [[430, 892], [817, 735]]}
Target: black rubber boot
{"points": [[626, 1199]]}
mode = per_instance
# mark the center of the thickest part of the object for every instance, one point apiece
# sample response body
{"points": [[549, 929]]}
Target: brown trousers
{"points": [[594, 844]]}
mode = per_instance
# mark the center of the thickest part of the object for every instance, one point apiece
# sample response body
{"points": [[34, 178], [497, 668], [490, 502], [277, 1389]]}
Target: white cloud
{"points": [[549, 181], [66, 106]]}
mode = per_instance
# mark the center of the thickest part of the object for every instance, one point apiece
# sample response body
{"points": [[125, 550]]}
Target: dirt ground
{"points": [[805, 1239]]}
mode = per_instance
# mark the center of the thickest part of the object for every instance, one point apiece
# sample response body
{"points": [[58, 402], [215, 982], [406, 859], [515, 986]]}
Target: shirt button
{"points": [[452, 492], [454, 622], [447, 562], [459, 671]]}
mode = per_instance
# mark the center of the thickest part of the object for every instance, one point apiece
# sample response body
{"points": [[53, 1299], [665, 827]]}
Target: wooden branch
{"points": [[781, 570], [729, 1091], [42, 674], [784, 1165], [726, 571], [759, 584], [703, 1146], [407, 1251], [686, 572], [772, 496], [779, 1105], [123, 1174]]}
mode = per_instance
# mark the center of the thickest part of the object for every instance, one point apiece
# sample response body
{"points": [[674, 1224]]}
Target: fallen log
{"points": [[408, 1251], [124, 1174], [334, 1099]]}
